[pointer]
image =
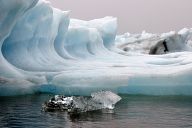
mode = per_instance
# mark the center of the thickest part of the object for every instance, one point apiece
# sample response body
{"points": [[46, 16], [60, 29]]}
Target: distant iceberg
{"points": [[43, 50]]}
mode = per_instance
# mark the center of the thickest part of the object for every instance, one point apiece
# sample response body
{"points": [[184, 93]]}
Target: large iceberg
{"points": [[43, 50]]}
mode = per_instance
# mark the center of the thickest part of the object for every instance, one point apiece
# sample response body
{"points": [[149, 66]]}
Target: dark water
{"points": [[130, 112]]}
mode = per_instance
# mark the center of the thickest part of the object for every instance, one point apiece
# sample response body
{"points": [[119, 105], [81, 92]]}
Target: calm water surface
{"points": [[130, 112]]}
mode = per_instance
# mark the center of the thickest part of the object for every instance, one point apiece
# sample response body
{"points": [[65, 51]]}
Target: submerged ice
{"points": [[44, 50]]}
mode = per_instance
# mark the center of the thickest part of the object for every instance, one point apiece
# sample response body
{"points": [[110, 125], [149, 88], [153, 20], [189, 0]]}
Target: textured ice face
{"points": [[43, 50], [31, 41], [147, 43], [99, 100], [107, 98]]}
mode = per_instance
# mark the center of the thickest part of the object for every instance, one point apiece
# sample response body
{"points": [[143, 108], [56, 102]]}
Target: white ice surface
{"points": [[43, 50], [107, 98]]}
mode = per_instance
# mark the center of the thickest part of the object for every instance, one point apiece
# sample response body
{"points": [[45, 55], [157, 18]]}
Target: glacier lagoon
{"points": [[44, 50], [132, 111]]}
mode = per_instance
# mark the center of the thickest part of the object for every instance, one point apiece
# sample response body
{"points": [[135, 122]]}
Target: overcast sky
{"points": [[154, 16]]}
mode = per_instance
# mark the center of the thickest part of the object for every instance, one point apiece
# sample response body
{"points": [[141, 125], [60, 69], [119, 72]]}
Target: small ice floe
{"points": [[78, 104]]}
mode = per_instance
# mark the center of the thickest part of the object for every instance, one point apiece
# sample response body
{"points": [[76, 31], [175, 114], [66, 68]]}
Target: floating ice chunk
{"points": [[84, 104], [99, 100], [107, 98], [58, 99]]}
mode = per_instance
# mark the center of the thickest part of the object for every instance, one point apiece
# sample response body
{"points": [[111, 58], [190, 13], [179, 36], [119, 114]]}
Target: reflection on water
{"points": [[131, 111]]}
